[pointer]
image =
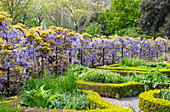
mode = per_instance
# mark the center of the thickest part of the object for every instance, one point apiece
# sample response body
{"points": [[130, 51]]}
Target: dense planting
{"points": [[55, 93], [153, 77]]}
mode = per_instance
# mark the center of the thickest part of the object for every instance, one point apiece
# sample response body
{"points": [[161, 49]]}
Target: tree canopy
{"points": [[122, 14], [155, 17]]}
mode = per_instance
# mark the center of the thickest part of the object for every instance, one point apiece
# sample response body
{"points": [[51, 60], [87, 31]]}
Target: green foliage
{"points": [[67, 83], [117, 96], [126, 62], [131, 32], [46, 80], [122, 14], [161, 59], [7, 106], [39, 98], [102, 76], [54, 92], [78, 69], [164, 94], [93, 29], [148, 102], [75, 100], [155, 17], [153, 77]]}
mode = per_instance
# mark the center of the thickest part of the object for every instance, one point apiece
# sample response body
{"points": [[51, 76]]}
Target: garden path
{"points": [[125, 102]]}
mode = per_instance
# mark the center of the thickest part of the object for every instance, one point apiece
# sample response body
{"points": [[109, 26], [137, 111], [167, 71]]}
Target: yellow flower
{"points": [[70, 33], [44, 33], [59, 29], [1, 18], [66, 30], [6, 52], [85, 35], [38, 38]]}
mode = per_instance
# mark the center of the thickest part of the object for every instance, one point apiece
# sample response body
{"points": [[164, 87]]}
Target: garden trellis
{"points": [[35, 50]]}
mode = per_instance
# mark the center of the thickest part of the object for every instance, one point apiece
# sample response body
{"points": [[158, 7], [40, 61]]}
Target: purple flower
{"points": [[1, 86]]}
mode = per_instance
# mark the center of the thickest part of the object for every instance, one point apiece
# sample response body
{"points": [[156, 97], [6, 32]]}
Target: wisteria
{"points": [[31, 51]]}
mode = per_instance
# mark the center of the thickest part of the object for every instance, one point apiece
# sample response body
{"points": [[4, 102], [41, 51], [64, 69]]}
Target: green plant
{"points": [[49, 82], [153, 77], [131, 32], [148, 102], [7, 106], [76, 100], [164, 94], [129, 93], [135, 93], [78, 69], [94, 29], [67, 83], [122, 14], [117, 96], [126, 62], [102, 76], [39, 98]]}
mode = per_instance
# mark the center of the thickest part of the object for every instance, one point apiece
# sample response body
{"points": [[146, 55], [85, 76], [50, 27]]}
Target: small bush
{"points": [[102, 76], [131, 32], [153, 77], [94, 29]]}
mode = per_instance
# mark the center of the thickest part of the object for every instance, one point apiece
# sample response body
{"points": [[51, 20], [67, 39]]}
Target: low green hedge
{"points": [[130, 71], [148, 103], [96, 103], [6, 100], [111, 90]]}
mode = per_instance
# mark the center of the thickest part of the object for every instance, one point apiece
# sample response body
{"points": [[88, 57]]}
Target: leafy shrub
{"points": [[129, 62], [78, 69], [131, 32], [55, 92], [39, 98], [94, 29], [102, 76], [153, 77], [126, 62], [76, 100]]}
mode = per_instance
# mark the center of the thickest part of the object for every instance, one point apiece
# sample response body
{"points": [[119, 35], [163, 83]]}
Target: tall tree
{"points": [[155, 16], [38, 10], [15, 7], [122, 14]]}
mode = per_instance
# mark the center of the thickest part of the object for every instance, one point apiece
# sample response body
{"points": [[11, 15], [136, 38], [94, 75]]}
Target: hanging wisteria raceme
{"points": [[33, 51]]}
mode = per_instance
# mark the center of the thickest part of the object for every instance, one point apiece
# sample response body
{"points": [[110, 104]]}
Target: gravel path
{"points": [[125, 102]]}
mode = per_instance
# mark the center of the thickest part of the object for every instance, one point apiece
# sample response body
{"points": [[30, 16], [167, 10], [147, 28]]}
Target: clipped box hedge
{"points": [[148, 103], [127, 70], [96, 103], [110, 90]]}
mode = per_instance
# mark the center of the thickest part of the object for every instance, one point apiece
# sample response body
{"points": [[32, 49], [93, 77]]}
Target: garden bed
{"points": [[97, 104], [131, 70]]}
